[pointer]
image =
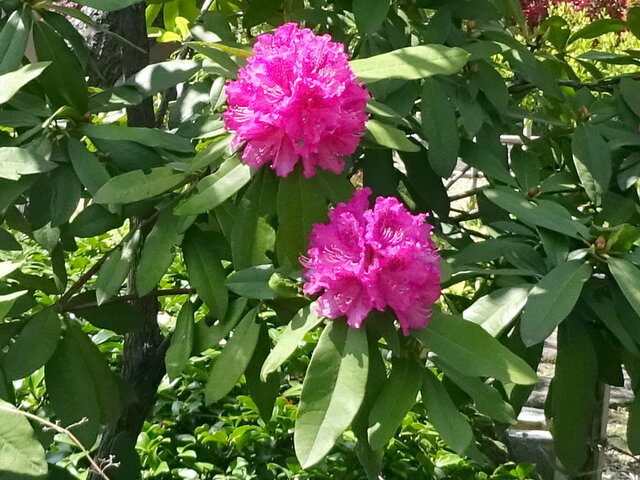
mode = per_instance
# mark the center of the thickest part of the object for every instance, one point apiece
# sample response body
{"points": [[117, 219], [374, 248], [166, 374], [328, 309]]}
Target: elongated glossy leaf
{"points": [[332, 391], [120, 317], [216, 188], [573, 397], [486, 398], [210, 336], [598, 27], [440, 127], [544, 213], [72, 391], [369, 14], [157, 252], [181, 342], [90, 171], [300, 204], [262, 392], [389, 136], [592, 159], [396, 397], [205, 271], [627, 275], [116, 268], [8, 267], [15, 161], [106, 383], [605, 310], [552, 300], [496, 311], [411, 63], [252, 282], [141, 135], [252, 235], [290, 338], [14, 81], [66, 194], [63, 80], [444, 415], [8, 242], [7, 301], [134, 186], [22, 454], [13, 40], [235, 357], [34, 345], [92, 221], [467, 347], [151, 79], [108, 5], [633, 427]]}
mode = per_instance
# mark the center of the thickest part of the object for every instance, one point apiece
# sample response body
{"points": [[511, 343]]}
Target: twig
{"points": [[86, 276], [164, 103], [134, 296], [468, 193], [53, 426], [457, 177]]}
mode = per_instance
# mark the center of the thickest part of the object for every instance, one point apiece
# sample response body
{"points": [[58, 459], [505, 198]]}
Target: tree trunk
{"points": [[142, 363]]}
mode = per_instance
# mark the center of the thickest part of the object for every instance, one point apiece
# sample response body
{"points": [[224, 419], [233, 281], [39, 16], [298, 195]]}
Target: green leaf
{"points": [[93, 221], [626, 276], [262, 392], [622, 327], [235, 358], [440, 127], [391, 137], [157, 252], [7, 301], [66, 194], [573, 390], [14, 81], [370, 14], [151, 79], [15, 161], [90, 171], [144, 136], [209, 336], [205, 271], [252, 235], [410, 63], [444, 415], [108, 5], [134, 186], [34, 345], [496, 311], [592, 159], [305, 320], [543, 213], [119, 317], [214, 189], [72, 391], [300, 204], [552, 300], [22, 454], [63, 80], [8, 267], [597, 28], [332, 391], [486, 399], [106, 383], [471, 350], [8, 242], [181, 342], [116, 268], [633, 426], [396, 397], [252, 282], [13, 40]]}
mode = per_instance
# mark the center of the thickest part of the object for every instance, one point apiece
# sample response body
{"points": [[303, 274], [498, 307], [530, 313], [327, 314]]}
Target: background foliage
{"points": [[105, 217]]}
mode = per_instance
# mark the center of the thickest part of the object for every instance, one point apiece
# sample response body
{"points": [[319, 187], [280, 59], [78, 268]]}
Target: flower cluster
{"points": [[367, 258], [296, 100], [536, 10]]}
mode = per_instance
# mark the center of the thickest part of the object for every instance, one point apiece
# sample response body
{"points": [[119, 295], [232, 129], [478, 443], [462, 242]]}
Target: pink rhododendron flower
{"points": [[296, 100], [367, 258]]}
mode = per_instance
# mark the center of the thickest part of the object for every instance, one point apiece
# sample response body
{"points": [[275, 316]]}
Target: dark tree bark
{"points": [[142, 363]]}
